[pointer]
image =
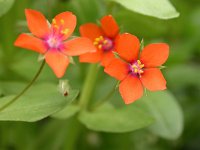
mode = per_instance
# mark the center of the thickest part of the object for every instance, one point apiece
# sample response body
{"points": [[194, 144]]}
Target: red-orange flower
{"points": [[137, 72], [103, 38], [50, 39]]}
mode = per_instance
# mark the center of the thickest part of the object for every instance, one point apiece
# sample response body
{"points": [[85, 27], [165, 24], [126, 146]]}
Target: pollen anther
{"points": [[100, 46], [95, 43], [142, 65], [62, 21], [103, 43], [139, 62], [65, 31], [137, 68], [54, 21]]}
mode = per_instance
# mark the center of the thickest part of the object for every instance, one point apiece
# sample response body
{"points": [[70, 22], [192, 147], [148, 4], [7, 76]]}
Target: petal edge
{"points": [[154, 55], [37, 23], [57, 61], [31, 43], [78, 46], [109, 26], [66, 20], [127, 45], [117, 69], [153, 79], [91, 31], [131, 89]]}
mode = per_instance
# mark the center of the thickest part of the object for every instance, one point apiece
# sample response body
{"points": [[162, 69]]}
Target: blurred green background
{"points": [[182, 74]]}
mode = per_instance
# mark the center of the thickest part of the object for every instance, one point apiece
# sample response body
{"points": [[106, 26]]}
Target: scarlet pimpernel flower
{"points": [[103, 37], [135, 71], [50, 39]]}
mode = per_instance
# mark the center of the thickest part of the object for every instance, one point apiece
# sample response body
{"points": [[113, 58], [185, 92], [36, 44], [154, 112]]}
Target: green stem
{"points": [[74, 129], [88, 86], [25, 89]]}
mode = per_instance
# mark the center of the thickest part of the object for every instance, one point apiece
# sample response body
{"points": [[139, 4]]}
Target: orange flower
{"points": [[49, 39], [137, 72], [103, 38]]}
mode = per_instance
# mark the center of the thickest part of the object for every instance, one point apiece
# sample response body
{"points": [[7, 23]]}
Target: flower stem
{"points": [[76, 126], [88, 86], [25, 89]]}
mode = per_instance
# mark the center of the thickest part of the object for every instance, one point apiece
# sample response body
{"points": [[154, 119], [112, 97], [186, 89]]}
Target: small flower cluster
{"points": [[119, 53], [49, 39]]}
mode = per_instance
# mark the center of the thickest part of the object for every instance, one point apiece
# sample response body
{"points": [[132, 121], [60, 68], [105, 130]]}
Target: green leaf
{"points": [[109, 119], [5, 5], [67, 112], [39, 102], [11, 87], [184, 75], [162, 9], [166, 111], [83, 12]]}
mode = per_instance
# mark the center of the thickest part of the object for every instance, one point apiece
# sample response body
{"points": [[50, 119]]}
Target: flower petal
{"points": [[91, 31], [153, 79], [127, 46], [154, 55], [93, 57], [117, 69], [78, 46], [107, 58], [131, 89], [31, 43], [109, 26], [57, 61], [67, 21], [37, 23]]}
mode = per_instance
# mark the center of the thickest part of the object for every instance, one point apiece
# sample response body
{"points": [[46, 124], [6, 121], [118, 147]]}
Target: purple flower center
{"points": [[55, 39], [136, 68], [54, 42], [104, 43]]}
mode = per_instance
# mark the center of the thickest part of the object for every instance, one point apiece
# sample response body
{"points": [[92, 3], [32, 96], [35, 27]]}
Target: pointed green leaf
{"points": [[162, 9], [39, 102], [166, 111], [70, 109], [109, 119], [67, 112]]}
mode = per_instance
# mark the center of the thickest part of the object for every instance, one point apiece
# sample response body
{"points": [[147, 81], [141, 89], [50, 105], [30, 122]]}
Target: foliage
{"points": [[154, 122]]}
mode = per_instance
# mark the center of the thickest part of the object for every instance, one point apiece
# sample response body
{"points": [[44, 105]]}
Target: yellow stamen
{"points": [[134, 66], [100, 46], [97, 39], [141, 71], [139, 62], [135, 70], [142, 66], [62, 21], [65, 31], [95, 43], [105, 42], [101, 37], [54, 21]]}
